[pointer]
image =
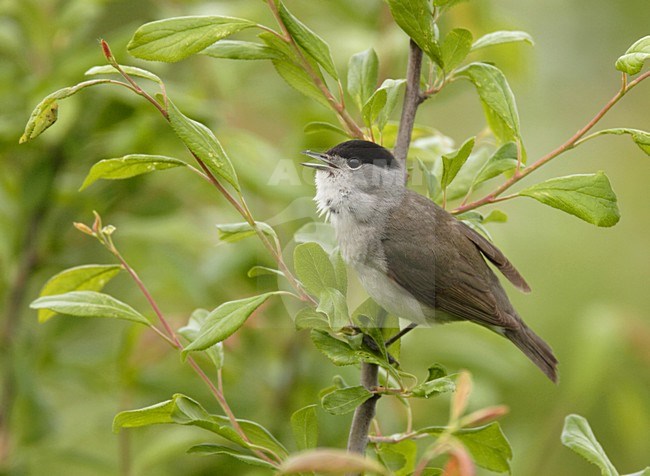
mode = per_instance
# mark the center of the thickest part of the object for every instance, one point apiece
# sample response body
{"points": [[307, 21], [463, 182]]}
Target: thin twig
{"points": [[364, 413], [569, 144]]}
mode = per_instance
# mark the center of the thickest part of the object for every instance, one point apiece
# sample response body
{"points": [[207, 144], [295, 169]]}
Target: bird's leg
{"points": [[401, 333]]}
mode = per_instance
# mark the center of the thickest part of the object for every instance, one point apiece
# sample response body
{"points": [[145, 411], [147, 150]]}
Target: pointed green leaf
{"points": [[89, 304], [362, 76], [637, 54], [129, 166], [488, 446], [46, 112], [209, 449], [589, 197], [180, 410], [289, 67], [309, 41], [455, 47], [415, 17], [310, 318], [497, 99], [314, 268], [257, 434], [503, 160], [382, 102], [640, 138], [202, 142], [434, 387], [193, 329], [495, 216], [224, 321], [130, 70], [240, 50], [256, 271], [339, 352], [499, 37], [174, 39], [232, 232], [304, 426], [577, 436], [92, 277], [345, 400], [399, 458], [320, 126], [451, 163], [332, 303]]}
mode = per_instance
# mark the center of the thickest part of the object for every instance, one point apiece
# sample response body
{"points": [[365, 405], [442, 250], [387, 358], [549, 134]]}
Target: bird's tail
{"points": [[535, 349]]}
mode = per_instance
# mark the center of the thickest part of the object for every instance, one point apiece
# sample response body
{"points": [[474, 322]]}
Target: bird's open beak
{"points": [[327, 165]]}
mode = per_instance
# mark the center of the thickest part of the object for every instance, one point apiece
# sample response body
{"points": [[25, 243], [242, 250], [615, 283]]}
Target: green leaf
{"points": [[330, 461], [340, 271], [641, 138], [589, 197], [224, 321], [240, 50], [232, 232], [257, 434], [399, 458], [314, 268], [382, 102], [455, 47], [320, 126], [92, 277], [209, 449], [488, 445], [317, 232], [503, 160], [314, 45], [339, 352], [47, 111], [193, 329], [332, 303], [503, 36], [130, 70], [496, 216], [577, 436], [362, 76], [632, 61], [174, 39], [289, 69], [89, 304], [180, 410], [415, 17], [434, 387], [304, 425], [345, 400], [310, 318], [202, 142], [497, 99], [256, 271], [645, 472], [451, 163], [129, 166]]}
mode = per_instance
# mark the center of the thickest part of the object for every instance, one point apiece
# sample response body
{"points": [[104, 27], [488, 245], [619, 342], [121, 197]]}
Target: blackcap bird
{"points": [[414, 258]]}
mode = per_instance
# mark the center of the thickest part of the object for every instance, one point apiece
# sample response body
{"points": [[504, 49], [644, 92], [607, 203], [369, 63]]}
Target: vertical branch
{"points": [[412, 99], [363, 415]]}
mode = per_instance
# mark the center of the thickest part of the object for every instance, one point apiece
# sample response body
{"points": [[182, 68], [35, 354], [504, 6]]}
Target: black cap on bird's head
{"points": [[354, 154]]}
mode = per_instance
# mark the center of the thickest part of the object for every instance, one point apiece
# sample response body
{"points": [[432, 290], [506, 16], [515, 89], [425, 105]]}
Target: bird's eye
{"points": [[354, 163]]}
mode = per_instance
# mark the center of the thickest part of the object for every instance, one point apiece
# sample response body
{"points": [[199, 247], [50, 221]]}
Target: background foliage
{"points": [[68, 378]]}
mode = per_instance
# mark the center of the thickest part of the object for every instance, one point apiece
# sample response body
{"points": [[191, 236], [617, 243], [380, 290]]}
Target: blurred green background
{"points": [[62, 382]]}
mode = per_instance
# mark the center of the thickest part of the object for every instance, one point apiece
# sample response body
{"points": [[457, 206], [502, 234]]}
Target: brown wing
{"points": [[444, 269], [495, 256]]}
